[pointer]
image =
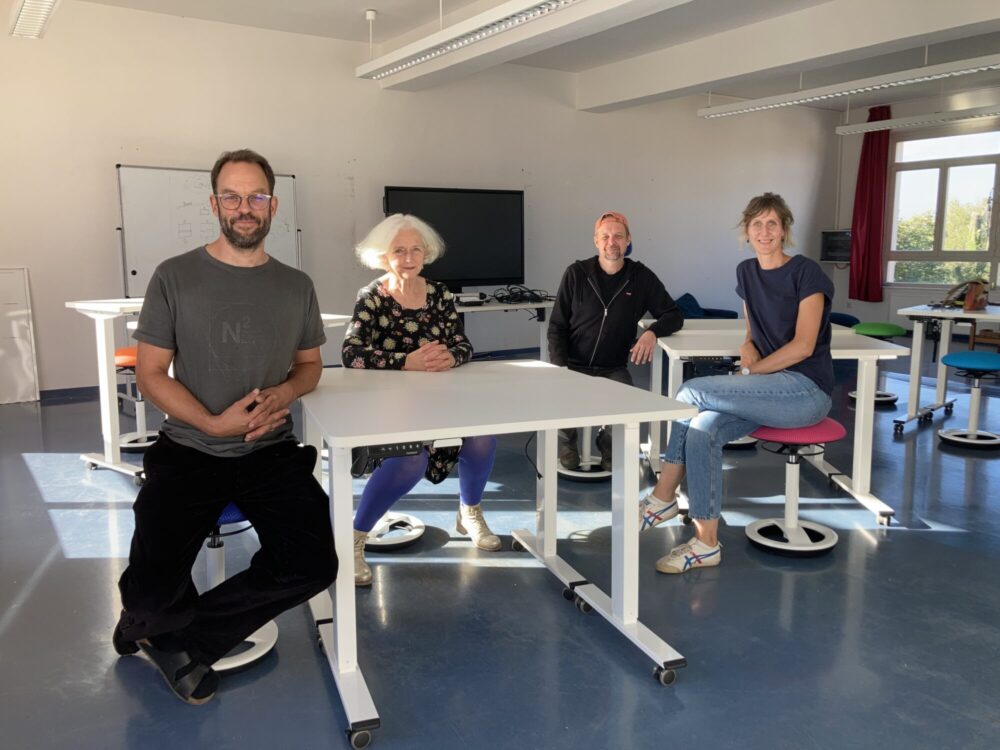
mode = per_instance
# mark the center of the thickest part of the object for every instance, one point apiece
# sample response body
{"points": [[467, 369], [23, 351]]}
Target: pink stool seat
{"points": [[825, 431]]}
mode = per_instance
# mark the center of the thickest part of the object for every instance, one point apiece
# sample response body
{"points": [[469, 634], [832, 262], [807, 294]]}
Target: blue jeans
{"points": [[731, 406]]}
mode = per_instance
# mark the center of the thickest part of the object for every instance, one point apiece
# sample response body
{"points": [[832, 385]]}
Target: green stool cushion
{"points": [[880, 330]]}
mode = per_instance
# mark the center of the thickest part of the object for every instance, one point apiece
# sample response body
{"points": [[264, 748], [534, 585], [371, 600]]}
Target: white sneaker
{"points": [[362, 573], [689, 556], [470, 521], [653, 511]]}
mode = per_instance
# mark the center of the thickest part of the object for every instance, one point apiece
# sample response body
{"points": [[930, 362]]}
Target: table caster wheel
{"points": [[138, 480], [359, 738], [91, 466], [582, 605], [686, 519], [516, 546], [320, 645], [568, 594], [949, 408], [884, 520], [664, 676], [897, 429]]}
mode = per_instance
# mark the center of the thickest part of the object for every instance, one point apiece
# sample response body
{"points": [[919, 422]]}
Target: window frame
{"points": [[992, 253]]}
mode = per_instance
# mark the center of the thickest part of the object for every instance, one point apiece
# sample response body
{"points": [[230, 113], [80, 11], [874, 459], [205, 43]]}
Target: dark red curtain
{"points": [[869, 213]]}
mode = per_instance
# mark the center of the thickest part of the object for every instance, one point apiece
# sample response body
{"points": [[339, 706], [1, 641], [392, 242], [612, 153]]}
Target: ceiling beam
{"points": [[834, 32], [582, 18]]}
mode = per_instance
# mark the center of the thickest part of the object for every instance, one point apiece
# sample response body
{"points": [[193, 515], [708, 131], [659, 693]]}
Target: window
{"points": [[945, 226]]}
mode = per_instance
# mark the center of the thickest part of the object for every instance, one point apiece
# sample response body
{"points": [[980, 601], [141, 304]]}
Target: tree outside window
{"points": [[944, 214]]}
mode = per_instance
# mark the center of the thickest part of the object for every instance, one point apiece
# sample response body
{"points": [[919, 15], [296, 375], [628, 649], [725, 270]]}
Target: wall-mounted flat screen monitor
{"points": [[483, 232], [835, 246]]}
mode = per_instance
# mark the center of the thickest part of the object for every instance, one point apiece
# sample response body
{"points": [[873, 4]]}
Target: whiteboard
{"points": [[165, 212]]}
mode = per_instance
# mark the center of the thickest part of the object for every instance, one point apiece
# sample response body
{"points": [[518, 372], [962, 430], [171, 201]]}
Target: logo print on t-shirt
{"points": [[241, 336]]}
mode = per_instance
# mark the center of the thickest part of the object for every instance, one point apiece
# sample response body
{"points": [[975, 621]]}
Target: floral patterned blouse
{"points": [[382, 332]]}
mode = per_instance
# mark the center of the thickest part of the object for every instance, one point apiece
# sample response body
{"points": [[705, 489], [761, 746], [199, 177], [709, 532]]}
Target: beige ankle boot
{"points": [[470, 521], [362, 573]]}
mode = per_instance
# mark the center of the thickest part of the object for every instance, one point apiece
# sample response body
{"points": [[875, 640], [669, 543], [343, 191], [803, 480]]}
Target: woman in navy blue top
{"points": [[787, 380]]}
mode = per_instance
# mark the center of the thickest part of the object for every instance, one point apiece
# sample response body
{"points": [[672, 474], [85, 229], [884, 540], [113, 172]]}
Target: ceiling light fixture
{"points": [[919, 121], [849, 88], [29, 17], [513, 15]]}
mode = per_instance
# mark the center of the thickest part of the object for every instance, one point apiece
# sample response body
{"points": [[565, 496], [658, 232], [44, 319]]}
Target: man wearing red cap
{"points": [[592, 328]]}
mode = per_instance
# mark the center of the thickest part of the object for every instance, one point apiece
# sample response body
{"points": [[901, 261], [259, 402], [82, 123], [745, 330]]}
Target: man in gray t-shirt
{"points": [[242, 333]]}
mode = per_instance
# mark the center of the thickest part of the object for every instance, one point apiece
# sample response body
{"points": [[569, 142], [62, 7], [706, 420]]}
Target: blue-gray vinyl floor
{"points": [[891, 641]]}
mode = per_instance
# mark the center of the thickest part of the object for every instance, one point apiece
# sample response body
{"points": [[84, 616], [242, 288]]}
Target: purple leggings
{"points": [[397, 476]]}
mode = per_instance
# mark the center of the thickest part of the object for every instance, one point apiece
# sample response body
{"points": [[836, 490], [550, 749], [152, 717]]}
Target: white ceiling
{"points": [[337, 19], [602, 39]]}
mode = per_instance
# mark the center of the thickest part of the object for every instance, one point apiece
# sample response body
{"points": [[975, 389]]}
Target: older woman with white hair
{"points": [[403, 321]]}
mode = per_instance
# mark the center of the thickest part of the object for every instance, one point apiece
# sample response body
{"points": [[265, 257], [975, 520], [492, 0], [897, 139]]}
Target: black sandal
{"points": [[122, 646], [190, 680]]}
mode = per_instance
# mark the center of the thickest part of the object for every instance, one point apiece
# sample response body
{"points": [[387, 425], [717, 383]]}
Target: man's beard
{"points": [[245, 241]]}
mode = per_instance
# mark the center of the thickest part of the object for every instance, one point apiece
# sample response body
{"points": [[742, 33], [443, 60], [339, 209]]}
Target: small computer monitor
{"points": [[835, 246]]}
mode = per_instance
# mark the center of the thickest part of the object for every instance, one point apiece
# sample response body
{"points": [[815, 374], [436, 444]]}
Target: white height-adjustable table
{"points": [[538, 307], [947, 316], [352, 408], [845, 344], [103, 312]]}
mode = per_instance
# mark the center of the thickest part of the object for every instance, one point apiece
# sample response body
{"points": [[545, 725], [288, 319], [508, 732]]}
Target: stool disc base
{"points": [[808, 539], [254, 647], [966, 439], [882, 398], [741, 443], [394, 531], [136, 442], [589, 471]]}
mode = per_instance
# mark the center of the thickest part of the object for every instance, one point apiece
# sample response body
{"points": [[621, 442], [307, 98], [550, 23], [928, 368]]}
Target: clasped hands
{"points": [[256, 414], [431, 357]]}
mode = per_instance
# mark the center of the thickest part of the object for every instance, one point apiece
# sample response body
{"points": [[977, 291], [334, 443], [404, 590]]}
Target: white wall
{"points": [[108, 85]]}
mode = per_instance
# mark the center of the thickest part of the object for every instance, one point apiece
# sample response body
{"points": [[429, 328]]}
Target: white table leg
{"points": [[341, 505], [942, 371], [546, 496], [916, 358], [655, 386], [621, 609], [106, 386], [624, 525], [543, 328], [111, 458], [340, 636], [864, 421], [859, 485]]}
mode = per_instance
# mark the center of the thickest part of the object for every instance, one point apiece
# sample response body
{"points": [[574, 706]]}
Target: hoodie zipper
{"points": [[605, 317]]}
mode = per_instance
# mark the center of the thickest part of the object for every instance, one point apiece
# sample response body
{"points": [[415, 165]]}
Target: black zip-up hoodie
{"points": [[591, 334]]}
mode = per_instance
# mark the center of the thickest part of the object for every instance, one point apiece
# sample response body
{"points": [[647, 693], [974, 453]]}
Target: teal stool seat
{"points": [[977, 366], [883, 332]]}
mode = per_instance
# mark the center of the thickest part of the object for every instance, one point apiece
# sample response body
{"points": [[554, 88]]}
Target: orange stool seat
{"points": [[126, 356]]}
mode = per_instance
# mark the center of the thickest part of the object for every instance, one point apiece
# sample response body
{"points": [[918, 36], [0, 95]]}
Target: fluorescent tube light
{"points": [[28, 18], [919, 121], [848, 88], [509, 15]]}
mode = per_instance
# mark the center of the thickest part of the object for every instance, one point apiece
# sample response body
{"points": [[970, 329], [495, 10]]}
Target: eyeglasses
{"points": [[232, 201]]}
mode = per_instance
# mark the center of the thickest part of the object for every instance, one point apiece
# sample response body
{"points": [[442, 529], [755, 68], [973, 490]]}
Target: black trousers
{"points": [[176, 510], [569, 436]]}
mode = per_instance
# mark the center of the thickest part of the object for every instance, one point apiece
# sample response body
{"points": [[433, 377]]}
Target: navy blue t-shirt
{"points": [[772, 298]]}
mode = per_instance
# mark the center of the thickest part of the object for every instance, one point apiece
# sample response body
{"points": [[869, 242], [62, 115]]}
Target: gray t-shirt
{"points": [[232, 329]]}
